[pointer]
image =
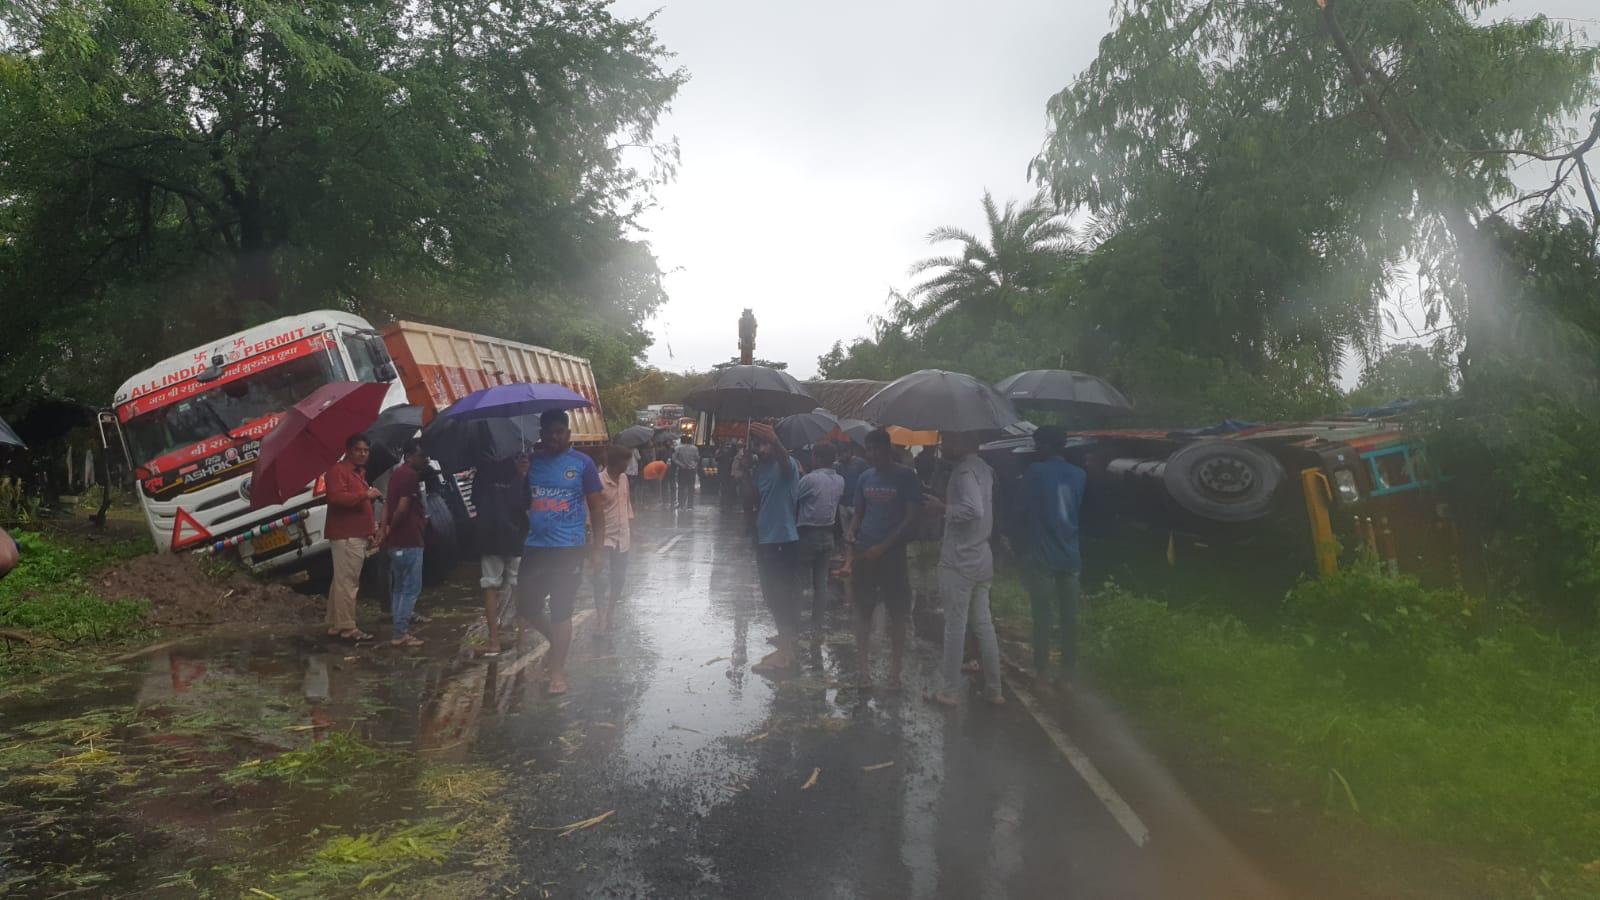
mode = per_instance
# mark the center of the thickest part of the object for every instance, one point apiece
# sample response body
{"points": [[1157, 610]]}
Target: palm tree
{"points": [[1026, 248]]}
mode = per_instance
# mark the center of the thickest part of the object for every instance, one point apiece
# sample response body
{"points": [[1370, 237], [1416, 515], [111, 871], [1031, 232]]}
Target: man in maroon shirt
{"points": [[349, 529], [405, 519]]}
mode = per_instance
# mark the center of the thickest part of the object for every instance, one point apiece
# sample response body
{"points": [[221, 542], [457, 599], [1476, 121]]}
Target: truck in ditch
{"points": [[192, 424]]}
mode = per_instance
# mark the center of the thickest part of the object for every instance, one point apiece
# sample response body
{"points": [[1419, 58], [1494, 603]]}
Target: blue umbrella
{"points": [[504, 401]]}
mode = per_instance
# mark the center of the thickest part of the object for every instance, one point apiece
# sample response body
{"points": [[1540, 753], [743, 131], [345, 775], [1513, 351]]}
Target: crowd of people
{"points": [[875, 504], [827, 512]]}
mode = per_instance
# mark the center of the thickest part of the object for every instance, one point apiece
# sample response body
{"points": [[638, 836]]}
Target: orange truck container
{"points": [[439, 366]]}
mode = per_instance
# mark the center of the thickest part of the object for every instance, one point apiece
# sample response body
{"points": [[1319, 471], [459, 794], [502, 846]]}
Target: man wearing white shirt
{"points": [[817, 509]]}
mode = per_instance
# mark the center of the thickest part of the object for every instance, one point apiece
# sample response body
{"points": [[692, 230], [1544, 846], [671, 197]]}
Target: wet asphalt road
{"points": [[700, 768], [706, 765]]}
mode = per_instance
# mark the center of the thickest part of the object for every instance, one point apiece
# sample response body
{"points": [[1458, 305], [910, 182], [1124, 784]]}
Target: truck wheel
{"points": [[1224, 481]]}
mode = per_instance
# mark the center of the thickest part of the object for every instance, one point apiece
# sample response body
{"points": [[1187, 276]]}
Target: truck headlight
{"points": [[1345, 480]]}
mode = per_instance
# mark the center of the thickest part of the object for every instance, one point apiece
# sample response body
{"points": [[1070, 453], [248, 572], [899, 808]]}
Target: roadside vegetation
{"points": [[1238, 204], [49, 612]]}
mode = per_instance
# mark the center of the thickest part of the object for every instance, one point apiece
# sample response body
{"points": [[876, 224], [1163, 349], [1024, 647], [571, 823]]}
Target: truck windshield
{"points": [[226, 407]]}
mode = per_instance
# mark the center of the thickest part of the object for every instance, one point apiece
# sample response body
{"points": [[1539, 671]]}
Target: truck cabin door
{"points": [[366, 359]]}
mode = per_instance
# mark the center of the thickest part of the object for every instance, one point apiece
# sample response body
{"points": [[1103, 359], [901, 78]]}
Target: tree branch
{"points": [[1573, 152], [1361, 73]]}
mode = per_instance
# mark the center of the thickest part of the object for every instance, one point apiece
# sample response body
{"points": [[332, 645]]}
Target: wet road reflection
{"points": [[286, 765]]}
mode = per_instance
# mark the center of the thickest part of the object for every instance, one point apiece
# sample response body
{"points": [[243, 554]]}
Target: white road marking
{"points": [[669, 544], [1114, 804]]}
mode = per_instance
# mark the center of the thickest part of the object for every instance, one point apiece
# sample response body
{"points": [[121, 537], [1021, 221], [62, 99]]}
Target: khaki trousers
{"points": [[348, 556]]}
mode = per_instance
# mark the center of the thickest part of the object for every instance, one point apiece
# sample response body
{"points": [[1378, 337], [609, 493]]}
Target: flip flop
{"points": [[553, 691], [354, 635]]}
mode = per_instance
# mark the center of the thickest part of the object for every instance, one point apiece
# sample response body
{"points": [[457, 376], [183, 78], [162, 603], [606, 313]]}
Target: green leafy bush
{"points": [[1375, 630]]}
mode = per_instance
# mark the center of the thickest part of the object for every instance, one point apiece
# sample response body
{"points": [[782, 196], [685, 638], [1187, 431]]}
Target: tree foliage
{"points": [[173, 170], [1284, 158]]}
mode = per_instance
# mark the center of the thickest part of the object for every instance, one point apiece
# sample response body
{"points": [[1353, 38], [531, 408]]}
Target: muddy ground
{"points": [[190, 590]]}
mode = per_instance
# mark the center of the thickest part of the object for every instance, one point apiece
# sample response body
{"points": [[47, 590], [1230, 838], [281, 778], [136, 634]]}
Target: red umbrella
{"points": [[310, 438]]}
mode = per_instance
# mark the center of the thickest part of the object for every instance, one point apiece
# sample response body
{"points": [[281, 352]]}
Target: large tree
{"points": [[171, 170], [1270, 163]]}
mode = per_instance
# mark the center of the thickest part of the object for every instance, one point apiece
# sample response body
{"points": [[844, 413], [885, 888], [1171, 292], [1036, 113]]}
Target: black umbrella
{"points": [[806, 428], [635, 436], [1064, 391], [936, 400], [752, 392], [461, 444], [388, 436], [9, 438]]}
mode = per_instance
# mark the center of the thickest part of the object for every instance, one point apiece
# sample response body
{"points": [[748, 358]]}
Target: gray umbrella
{"points": [[1064, 391], [806, 428], [752, 392], [936, 400], [856, 430], [9, 438], [635, 436]]}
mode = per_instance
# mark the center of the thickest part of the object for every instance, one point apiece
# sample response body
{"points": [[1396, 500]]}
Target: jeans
{"points": [[816, 552], [1051, 590], [405, 583], [616, 566], [775, 563], [963, 595]]}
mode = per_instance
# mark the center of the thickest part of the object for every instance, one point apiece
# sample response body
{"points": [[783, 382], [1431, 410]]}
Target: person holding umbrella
{"points": [[349, 529], [566, 504], [772, 486], [886, 503], [1052, 496], [500, 492], [966, 567], [405, 518]]}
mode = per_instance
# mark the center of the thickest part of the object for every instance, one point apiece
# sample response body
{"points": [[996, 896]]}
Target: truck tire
{"points": [[1224, 481]]}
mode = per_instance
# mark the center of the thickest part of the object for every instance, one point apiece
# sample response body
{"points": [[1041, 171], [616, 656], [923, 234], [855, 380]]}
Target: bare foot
{"points": [[995, 699], [943, 699], [557, 686], [406, 640]]}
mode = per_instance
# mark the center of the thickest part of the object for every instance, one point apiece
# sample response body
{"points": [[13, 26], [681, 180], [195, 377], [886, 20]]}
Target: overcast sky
{"points": [[821, 142]]}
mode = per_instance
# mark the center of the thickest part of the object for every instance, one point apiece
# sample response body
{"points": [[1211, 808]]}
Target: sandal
{"points": [[406, 640], [556, 688], [353, 635]]}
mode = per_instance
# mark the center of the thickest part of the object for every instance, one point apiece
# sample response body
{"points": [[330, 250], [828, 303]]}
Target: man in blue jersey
{"points": [[1051, 498], [565, 501]]}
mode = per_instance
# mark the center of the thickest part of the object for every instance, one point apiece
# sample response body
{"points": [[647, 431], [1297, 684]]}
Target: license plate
{"points": [[272, 540]]}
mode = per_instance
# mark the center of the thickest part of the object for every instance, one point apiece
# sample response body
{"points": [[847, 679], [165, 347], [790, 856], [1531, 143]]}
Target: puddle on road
{"points": [[284, 767], [290, 767]]}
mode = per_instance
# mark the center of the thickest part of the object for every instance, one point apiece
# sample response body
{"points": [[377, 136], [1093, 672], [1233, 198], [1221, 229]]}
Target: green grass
{"points": [[49, 601], [1377, 702], [334, 759]]}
